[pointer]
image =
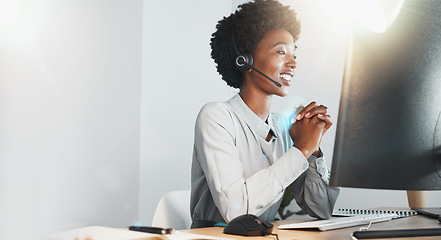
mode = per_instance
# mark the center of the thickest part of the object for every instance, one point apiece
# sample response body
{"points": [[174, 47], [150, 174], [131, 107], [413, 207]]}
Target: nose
{"points": [[292, 63]]}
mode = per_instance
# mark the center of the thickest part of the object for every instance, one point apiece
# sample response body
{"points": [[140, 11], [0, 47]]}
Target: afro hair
{"points": [[245, 28]]}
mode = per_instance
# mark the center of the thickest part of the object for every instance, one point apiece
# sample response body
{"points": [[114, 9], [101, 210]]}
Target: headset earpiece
{"points": [[244, 61]]}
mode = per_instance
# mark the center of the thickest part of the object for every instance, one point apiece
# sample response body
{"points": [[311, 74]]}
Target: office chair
{"points": [[173, 211]]}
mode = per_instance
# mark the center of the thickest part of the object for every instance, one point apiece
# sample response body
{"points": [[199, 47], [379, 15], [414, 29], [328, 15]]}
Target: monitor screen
{"points": [[389, 123]]}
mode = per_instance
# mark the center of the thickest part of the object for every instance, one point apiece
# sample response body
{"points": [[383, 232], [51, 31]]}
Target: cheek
{"points": [[272, 65]]}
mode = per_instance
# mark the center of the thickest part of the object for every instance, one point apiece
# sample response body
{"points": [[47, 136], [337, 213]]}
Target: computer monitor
{"points": [[389, 123]]}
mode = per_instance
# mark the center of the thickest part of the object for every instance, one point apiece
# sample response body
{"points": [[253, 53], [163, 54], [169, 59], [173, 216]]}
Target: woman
{"points": [[244, 156]]}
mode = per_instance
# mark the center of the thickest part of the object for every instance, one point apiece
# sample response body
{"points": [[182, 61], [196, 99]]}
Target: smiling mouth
{"points": [[286, 78]]}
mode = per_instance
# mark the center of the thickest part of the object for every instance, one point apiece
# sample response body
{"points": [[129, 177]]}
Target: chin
{"points": [[282, 92]]}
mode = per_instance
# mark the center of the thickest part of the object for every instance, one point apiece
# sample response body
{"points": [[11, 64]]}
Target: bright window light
{"points": [[376, 15]]}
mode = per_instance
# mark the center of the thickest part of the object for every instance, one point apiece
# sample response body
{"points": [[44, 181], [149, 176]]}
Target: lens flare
{"points": [[377, 16]]}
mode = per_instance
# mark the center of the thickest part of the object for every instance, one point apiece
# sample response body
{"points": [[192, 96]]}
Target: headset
{"points": [[245, 61]]}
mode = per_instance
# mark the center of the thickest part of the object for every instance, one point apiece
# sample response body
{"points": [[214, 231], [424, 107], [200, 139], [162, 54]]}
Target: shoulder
{"points": [[215, 113], [214, 109], [216, 117]]}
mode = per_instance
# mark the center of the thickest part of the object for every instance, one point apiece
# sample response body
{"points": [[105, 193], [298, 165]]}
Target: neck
{"points": [[258, 102]]}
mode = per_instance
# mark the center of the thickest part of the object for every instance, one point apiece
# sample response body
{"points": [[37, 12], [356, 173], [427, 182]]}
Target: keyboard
{"points": [[339, 222], [348, 212]]}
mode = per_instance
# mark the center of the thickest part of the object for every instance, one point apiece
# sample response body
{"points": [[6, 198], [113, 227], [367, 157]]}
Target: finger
{"points": [[327, 119], [315, 120], [318, 121], [293, 120], [306, 110], [296, 112], [321, 109]]}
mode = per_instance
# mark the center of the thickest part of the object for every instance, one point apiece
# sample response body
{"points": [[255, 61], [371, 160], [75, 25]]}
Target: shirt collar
{"points": [[255, 123]]}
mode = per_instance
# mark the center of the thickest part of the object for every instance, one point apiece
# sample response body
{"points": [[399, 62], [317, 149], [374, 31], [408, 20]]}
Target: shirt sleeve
{"points": [[217, 153], [312, 191]]}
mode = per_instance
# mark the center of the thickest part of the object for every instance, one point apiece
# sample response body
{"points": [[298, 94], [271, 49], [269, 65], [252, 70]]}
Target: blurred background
{"points": [[98, 101]]}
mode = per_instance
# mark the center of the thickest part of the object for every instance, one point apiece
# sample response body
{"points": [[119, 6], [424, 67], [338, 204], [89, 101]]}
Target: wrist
{"points": [[305, 152]]}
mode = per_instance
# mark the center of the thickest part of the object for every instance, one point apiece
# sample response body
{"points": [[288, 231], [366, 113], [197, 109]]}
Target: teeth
{"points": [[285, 76]]}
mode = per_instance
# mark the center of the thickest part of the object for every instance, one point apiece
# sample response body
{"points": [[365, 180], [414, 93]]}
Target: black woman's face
{"points": [[275, 56]]}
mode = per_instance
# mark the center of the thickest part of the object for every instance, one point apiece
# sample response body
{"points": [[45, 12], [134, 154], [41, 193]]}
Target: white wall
{"points": [[70, 77], [178, 78]]}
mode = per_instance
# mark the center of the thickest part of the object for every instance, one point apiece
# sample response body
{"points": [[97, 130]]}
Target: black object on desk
{"points": [[434, 212], [248, 225], [423, 232], [154, 230]]}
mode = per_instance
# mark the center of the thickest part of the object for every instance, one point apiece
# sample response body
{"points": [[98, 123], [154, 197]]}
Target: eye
{"points": [[281, 52]]}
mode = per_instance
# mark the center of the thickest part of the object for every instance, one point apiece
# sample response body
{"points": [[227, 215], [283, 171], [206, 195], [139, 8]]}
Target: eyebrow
{"points": [[280, 43], [284, 43]]}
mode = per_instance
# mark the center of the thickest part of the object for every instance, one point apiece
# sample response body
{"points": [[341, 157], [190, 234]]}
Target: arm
{"points": [[312, 192], [218, 156]]}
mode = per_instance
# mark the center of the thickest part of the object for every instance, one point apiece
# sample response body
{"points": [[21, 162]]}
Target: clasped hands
{"points": [[311, 123]]}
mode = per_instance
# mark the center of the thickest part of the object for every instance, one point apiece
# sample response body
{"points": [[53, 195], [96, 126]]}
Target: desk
{"points": [[338, 234]]}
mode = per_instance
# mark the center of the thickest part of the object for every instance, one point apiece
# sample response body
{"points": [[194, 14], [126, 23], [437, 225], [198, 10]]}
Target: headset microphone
{"points": [[245, 61], [261, 73]]}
